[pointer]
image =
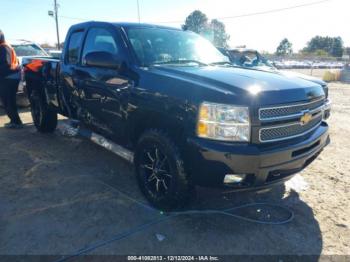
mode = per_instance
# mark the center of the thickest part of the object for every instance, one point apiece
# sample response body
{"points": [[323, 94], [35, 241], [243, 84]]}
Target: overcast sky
{"points": [[28, 19]]}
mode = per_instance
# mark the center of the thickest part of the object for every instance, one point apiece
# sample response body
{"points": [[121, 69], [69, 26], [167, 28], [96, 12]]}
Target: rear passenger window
{"points": [[74, 45], [100, 40]]}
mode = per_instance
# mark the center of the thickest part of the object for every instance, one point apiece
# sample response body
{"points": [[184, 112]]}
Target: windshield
{"points": [[166, 46], [249, 59], [28, 50]]}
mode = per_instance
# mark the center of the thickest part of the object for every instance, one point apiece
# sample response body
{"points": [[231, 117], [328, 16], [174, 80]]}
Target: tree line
{"points": [[215, 31], [321, 46]]}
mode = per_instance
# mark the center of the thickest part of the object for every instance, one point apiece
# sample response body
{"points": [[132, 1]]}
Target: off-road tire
{"points": [[44, 118], [179, 190]]}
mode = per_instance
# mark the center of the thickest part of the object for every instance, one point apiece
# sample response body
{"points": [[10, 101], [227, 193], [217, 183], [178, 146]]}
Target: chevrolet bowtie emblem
{"points": [[306, 118]]}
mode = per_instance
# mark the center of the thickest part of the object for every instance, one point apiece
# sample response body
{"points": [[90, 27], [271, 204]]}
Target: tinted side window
{"points": [[74, 45], [100, 40]]}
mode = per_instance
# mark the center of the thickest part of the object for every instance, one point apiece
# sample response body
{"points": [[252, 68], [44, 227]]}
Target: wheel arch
{"points": [[174, 127]]}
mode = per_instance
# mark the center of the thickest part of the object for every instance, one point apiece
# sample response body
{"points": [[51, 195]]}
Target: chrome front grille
{"points": [[288, 131], [285, 122], [289, 111]]}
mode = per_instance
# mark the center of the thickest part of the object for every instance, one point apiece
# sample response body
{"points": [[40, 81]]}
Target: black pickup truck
{"points": [[189, 116]]}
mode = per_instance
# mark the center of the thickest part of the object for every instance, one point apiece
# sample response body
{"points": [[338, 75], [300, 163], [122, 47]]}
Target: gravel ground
{"points": [[60, 194]]}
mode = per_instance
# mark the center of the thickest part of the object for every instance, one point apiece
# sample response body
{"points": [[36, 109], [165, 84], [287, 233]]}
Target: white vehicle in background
{"points": [[56, 54], [24, 49]]}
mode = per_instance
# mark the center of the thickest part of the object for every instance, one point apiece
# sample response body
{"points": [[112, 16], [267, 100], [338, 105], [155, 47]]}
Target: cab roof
{"points": [[123, 25]]}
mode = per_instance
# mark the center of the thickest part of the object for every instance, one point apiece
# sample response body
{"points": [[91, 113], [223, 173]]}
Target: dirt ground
{"points": [[61, 194]]}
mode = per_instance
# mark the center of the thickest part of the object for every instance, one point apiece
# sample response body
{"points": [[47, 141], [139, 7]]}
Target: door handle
{"points": [[122, 88], [103, 99]]}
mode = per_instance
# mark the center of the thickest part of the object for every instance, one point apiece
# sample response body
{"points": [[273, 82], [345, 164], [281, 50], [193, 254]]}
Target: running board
{"points": [[120, 151]]}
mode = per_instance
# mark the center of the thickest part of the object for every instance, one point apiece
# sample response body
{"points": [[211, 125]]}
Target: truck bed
{"points": [[43, 72]]}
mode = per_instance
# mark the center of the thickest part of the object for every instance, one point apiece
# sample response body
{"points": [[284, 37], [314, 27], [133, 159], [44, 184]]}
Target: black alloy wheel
{"points": [[160, 171], [155, 169]]}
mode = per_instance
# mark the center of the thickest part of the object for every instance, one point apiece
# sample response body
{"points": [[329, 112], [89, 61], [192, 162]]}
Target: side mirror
{"points": [[101, 59]]}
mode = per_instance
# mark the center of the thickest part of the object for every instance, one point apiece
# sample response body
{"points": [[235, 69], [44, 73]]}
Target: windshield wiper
{"points": [[180, 61]]}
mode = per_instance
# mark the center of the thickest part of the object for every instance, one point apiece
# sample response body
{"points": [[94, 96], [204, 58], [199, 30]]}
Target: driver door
{"points": [[103, 88]]}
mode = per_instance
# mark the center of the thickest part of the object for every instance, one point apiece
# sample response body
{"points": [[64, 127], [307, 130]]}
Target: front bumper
{"points": [[264, 165]]}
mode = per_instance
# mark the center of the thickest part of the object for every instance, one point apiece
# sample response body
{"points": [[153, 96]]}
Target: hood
{"points": [[267, 87], [291, 74]]}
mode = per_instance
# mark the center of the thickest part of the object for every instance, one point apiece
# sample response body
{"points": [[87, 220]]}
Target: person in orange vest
{"points": [[9, 79]]}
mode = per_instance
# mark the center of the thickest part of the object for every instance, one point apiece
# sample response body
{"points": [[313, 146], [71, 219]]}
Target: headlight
{"points": [[327, 109], [325, 89], [223, 122]]}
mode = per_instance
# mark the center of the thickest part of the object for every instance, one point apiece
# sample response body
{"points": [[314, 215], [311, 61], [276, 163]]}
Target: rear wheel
{"points": [[44, 118], [160, 171]]}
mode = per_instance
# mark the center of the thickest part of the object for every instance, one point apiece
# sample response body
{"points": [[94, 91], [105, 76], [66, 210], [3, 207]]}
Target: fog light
{"points": [[234, 178]]}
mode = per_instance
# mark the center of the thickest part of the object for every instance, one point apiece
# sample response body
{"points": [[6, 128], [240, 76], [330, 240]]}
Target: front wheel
{"points": [[44, 118], [160, 171]]}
